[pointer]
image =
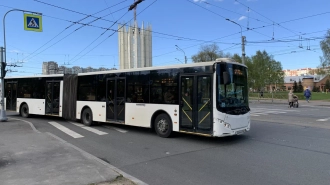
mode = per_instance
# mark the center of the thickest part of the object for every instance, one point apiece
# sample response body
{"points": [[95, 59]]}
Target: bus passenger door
{"points": [[195, 105], [110, 94], [52, 98], [116, 99], [11, 95]]}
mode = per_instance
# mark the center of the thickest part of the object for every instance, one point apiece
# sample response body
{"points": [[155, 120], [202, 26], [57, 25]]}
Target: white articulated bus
{"points": [[208, 98]]}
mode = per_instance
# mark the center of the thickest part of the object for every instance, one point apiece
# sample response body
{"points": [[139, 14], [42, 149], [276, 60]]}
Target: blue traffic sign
{"points": [[32, 22]]}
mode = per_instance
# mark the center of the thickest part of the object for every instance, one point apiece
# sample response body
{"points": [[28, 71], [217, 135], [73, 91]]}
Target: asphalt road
{"points": [[284, 146]]}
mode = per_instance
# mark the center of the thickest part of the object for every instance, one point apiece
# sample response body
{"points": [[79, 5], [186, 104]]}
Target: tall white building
{"points": [[135, 46], [50, 67]]}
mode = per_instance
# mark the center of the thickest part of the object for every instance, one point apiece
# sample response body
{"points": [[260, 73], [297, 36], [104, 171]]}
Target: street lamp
{"points": [[243, 38], [185, 58], [3, 116]]}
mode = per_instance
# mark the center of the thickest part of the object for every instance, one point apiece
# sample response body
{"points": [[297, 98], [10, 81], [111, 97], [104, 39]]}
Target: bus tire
{"points": [[25, 111], [163, 125], [87, 117]]}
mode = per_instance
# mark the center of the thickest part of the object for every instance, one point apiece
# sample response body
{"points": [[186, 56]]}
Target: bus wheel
{"points": [[87, 117], [163, 125], [25, 111]]}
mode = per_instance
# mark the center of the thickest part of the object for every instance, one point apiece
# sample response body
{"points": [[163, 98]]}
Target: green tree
{"points": [[209, 53], [325, 59], [295, 86], [300, 87], [264, 70], [327, 84], [237, 58]]}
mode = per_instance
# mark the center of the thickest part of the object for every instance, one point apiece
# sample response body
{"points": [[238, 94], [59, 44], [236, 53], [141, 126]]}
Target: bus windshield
{"points": [[232, 90]]}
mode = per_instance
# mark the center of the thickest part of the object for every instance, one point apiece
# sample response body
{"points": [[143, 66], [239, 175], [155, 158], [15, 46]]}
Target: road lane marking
{"points": [[98, 132], [118, 129], [288, 110], [66, 130], [325, 119], [264, 111]]}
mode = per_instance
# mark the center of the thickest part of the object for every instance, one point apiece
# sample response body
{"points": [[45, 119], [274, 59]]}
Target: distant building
{"points": [[49, 68], [301, 72], [53, 68], [135, 46], [311, 81]]}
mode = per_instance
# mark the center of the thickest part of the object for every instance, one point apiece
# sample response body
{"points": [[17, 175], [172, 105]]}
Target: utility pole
{"points": [[133, 6], [243, 49]]}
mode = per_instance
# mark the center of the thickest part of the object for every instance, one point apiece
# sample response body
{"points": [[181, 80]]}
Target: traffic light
{"points": [[3, 69]]}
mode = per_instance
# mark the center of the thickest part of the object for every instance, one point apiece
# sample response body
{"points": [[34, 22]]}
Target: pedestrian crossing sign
{"points": [[32, 22]]}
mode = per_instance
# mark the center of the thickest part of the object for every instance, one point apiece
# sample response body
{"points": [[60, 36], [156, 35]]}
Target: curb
{"points": [[87, 155]]}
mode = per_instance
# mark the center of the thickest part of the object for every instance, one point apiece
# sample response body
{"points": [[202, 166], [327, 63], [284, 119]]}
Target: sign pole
{"points": [[3, 116]]}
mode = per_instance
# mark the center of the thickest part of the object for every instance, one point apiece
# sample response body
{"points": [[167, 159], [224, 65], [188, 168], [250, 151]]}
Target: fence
{"points": [[274, 96]]}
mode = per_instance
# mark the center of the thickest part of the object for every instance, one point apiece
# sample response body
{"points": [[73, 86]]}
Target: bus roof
{"points": [[218, 60], [36, 76]]}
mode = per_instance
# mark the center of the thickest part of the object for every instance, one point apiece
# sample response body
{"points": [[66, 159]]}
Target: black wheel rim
{"points": [[162, 125]]}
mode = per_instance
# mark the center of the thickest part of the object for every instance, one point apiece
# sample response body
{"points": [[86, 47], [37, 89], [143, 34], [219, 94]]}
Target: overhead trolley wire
{"points": [[224, 17], [97, 37], [233, 11], [114, 32], [73, 23], [154, 32], [266, 17]]}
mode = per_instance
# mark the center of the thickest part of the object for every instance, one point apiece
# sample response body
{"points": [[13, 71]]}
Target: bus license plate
{"points": [[240, 132]]}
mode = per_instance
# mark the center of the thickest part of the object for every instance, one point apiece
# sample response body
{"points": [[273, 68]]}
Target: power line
{"points": [[114, 32], [224, 17], [98, 37], [80, 12], [266, 17], [73, 23], [84, 24], [233, 11]]}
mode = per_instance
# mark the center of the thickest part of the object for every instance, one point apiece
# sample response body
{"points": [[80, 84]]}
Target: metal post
{"points": [[3, 116], [243, 48], [242, 42]]}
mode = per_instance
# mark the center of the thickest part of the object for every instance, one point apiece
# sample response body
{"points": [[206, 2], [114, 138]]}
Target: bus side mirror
{"points": [[226, 78]]}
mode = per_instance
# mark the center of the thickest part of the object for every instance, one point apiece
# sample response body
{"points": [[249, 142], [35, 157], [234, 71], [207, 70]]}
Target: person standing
{"points": [[307, 94], [290, 99]]}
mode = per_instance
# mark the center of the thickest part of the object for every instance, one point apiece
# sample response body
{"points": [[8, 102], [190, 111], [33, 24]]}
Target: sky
{"points": [[74, 31]]}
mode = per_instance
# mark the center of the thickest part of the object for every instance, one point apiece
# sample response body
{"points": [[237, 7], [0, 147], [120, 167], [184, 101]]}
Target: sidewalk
{"points": [[285, 101], [32, 158]]}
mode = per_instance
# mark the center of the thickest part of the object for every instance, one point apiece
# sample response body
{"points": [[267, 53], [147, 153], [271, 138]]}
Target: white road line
{"points": [[288, 110], [267, 112], [98, 132], [119, 130], [66, 130], [325, 119]]}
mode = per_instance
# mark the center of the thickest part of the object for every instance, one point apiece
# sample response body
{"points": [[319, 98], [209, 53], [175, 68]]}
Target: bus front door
{"points": [[52, 98], [11, 95], [116, 99], [196, 103]]}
